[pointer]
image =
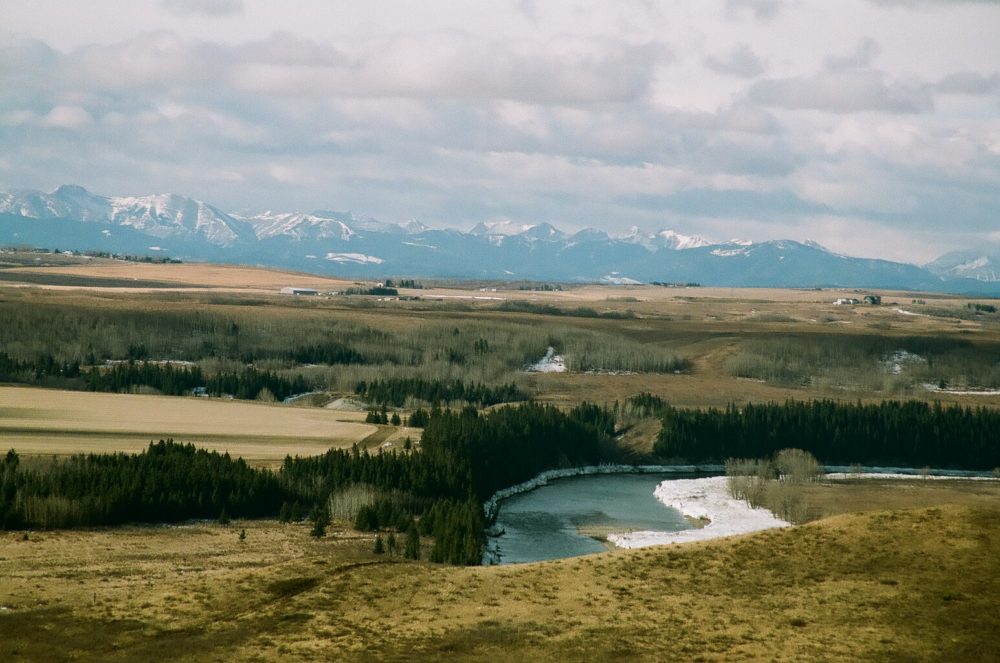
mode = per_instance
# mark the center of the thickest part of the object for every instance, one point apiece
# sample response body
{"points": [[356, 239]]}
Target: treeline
{"points": [[911, 433], [521, 306], [378, 291], [403, 283], [326, 353], [167, 482], [43, 366], [246, 384], [396, 391]]}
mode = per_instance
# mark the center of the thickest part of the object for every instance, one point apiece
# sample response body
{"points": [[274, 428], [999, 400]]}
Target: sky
{"points": [[870, 126]]}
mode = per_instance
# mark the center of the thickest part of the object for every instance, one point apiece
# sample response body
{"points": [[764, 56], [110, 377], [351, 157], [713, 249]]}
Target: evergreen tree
{"points": [[412, 547]]}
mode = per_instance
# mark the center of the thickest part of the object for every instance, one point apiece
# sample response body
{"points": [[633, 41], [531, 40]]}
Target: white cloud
{"points": [[68, 117]]}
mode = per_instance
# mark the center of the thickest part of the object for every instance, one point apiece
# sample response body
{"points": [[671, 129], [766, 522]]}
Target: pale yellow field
{"points": [[199, 275], [49, 421]]}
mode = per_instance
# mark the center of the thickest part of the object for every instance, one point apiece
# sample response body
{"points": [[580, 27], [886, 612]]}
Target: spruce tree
{"points": [[412, 547]]}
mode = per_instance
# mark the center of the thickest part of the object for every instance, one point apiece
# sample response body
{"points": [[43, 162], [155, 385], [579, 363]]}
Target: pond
{"points": [[568, 516]]}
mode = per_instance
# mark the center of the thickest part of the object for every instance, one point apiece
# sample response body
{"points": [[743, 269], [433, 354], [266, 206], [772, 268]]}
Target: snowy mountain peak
{"points": [[543, 231], [978, 264], [670, 239], [299, 226], [415, 227], [502, 228], [663, 239]]}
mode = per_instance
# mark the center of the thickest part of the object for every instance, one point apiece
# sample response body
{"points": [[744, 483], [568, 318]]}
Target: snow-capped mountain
{"points": [[664, 239], [345, 244], [161, 216], [298, 226], [978, 265]]}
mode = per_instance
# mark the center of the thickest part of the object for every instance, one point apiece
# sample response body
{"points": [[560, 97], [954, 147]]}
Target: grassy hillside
{"points": [[887, 585]]}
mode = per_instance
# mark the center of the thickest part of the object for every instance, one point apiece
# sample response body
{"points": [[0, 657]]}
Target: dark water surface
{"points": [[542, 524]]}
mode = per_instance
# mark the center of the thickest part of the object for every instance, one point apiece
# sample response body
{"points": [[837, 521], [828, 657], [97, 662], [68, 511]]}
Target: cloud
{"points": [[969, 82], [930, 3], [68, 117], [452, 65], [741, 62], [760, 9], [847, 91], [203, 7]]}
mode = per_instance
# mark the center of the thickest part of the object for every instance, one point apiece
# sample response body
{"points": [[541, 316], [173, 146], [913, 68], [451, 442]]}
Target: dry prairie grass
{"points": [[916, 584]]}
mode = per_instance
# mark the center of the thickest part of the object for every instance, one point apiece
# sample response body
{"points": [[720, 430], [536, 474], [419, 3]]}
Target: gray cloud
{"points": [[841, 92], [760, 9], [741, 61], [203, 7], [969, 82]]}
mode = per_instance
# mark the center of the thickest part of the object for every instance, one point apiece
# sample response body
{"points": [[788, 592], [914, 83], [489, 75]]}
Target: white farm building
{"points": [[290, 290]]}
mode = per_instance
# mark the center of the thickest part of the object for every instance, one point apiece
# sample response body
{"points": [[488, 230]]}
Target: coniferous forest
{"points": [[909, 434]]}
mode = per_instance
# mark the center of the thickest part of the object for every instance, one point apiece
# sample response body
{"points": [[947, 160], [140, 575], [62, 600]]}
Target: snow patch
{"points": [[614, 278], [728, 253], [702, 499], [356, 258], [961, 392], [895, 362], [550, 363]]}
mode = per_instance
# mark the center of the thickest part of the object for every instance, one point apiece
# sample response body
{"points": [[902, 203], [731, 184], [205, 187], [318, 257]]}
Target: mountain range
{"points": [[344, 244]]}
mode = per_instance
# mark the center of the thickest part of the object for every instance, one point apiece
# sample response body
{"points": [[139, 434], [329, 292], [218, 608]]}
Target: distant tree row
{"points": [[377, 291], [403, 283], [910, 433], [247, 384], [395, 391], [165, 483]]}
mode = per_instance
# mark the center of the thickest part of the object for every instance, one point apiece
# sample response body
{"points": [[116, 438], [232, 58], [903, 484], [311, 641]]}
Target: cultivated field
{"points": [[54, 422]]}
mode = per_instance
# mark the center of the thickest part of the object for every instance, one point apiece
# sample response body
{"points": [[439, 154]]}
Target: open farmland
{"points": [[735, 345], [55, 422]]}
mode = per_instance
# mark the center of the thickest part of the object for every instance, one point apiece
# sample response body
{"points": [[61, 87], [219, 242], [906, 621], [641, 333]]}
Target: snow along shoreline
{"points": [[705, 499], [708, 498]]}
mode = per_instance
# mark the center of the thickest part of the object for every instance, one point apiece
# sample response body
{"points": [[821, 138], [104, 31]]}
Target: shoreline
{"points": [[705, 501], [492, 505], [701, 499]]}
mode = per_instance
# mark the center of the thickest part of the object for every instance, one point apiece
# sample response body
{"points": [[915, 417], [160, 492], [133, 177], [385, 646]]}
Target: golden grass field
{"points": [[54, 422], [893, 583]]}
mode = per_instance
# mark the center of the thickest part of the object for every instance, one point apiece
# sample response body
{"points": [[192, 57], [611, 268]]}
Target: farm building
{"points": [[288, 290], [874, 300], [846, 301]]}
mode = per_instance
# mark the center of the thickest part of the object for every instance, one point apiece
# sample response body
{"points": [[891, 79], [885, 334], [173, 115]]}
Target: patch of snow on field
{"points": [[706, 499], [550, 363], [894, 362], [961, 392], [905, 312]]}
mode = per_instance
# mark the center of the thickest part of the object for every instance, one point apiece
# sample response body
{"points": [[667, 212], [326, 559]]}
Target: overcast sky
{"points": [[871, 126]]}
